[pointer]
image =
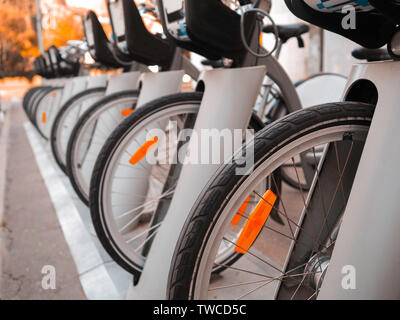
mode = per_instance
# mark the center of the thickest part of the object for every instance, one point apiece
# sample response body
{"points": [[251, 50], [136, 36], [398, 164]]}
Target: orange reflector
{"points": [[44, 117], [241, 212], [54, 95], [261, 39], [127, 112], [256, 222], [143, 151]]}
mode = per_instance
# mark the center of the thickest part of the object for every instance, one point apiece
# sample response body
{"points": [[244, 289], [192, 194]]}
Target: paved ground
{"points": [[32, 237]]}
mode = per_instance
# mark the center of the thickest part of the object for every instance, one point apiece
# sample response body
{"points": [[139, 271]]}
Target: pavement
{"points": [[31, 234]]}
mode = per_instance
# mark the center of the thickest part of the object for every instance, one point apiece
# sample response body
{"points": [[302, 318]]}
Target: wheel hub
{"points": [[316, 270]]}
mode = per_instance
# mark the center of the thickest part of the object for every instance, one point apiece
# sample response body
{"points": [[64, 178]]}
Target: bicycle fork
{"points": [[366, 257], [228, 102]]}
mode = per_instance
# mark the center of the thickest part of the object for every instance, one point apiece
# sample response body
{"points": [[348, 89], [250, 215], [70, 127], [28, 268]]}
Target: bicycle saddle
{"points": [[286, 32], [99, 45], [133, 38], [373, 28], [371, 54], [207, 27]]}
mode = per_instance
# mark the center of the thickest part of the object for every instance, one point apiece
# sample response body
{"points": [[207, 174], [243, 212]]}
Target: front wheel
{"points": [[278, 261], [89, 135], [129, 196], [66, 118]]}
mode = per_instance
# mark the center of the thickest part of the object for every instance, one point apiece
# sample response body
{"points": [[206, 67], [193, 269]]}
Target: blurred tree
{"points": [[67, 26], [18, 40], [17, 37]]}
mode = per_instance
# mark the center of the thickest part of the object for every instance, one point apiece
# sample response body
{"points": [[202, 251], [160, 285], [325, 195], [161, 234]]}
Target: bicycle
{"points": [[41, 103], [122, 219], [344, 142], [125, 53], [98, 122], [110, 110]]}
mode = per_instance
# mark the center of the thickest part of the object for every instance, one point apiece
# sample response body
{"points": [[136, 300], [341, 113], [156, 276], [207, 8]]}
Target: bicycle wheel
{"points": [[279, 262], [125, 197], [89, 135], [28, 96], [46, 110], [66, 119], [330, 88], [34, 101]]}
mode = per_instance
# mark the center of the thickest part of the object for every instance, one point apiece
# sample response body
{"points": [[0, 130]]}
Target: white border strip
{"points": [[4, 133], [4, 136], [93, 275]]}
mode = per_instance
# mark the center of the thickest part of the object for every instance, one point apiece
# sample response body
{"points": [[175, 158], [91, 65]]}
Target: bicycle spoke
{"points": [[254, 255], [146, 241], [143, 233], [241, 270]]}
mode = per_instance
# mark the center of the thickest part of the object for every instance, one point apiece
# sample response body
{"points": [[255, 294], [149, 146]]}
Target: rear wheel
{"points": [[279, 262]]}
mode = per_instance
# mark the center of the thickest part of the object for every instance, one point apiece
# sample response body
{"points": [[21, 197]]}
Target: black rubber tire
{"points": [[34, 112], [28, 95], [109, 148], [57, 120], [77, 130], [33, 101], [214, 197]]}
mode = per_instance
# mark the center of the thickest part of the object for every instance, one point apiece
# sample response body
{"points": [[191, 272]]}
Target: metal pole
{"points": [[39, 30]]}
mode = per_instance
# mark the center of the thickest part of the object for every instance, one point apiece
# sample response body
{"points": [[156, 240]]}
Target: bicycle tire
{"points": [[57, 123], [77, 131], [215, 196], [109, 148]]}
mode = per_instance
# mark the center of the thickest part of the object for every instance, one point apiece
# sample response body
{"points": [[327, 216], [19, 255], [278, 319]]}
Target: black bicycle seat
{"points": [[375, 25], [371, 54], [100, 47], [61, 67], [133, 38], [214, 30], [286, 32]]}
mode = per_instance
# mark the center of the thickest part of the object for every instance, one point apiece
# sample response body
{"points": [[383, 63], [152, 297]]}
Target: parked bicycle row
{"points": [[262, 225]]}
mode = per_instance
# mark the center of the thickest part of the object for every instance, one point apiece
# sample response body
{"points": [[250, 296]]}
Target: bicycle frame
{"points": [[369, 236]]}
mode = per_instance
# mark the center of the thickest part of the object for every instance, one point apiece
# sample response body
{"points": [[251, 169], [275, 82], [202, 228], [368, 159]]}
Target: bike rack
{"points": [[243, 86], [369, 236]]}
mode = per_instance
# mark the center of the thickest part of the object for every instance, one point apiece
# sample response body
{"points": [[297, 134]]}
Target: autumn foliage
{"points": [[18, 39]]}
